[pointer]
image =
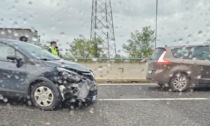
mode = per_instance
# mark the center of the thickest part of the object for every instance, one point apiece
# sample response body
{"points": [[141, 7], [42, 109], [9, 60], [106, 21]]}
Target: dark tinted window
{"points": [[157, 53], [201, 53], [183, 53]]}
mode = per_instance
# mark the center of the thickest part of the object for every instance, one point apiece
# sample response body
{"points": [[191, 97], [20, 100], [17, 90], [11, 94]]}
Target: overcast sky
{"points": [[179, 21]]}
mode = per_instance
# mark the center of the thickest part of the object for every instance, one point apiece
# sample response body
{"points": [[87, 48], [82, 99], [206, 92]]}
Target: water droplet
{"points": [[1, 97], [29, 102], [2, 32], [94, 59], [200, 32], [180, 39], [16, 34], [25, 21], [71, 107], [189, 35], [166, 85], [9, 31], [73, 100], [5, 100], [99, 69], [189, 72], [72, 113], [62, 33], [92, 110], [185, 28], [30, 3], [47, 123], [34, 39], [16, 77]]}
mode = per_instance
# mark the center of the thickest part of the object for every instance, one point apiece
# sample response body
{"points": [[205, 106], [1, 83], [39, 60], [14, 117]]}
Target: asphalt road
{"points": [[120, 105]]}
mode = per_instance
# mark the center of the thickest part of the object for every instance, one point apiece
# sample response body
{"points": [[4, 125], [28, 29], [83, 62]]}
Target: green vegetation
{"points": [[82, 49], [139, 45], [85, 48]]}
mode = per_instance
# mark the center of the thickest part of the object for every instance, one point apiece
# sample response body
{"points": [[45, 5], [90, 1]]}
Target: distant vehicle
{"points": [[19, 34], [180, 68], [28, 71]]}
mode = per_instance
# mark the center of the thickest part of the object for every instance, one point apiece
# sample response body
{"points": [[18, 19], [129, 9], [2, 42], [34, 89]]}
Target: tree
{"points": [[95, 48], [139, 45], [85, 48], [119, 58]]}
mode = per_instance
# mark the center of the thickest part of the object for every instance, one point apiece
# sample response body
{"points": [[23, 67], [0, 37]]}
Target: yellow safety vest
{"points": [[54, 51]]}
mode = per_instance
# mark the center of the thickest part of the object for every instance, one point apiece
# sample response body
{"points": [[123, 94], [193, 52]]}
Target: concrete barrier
{"points": [[118, 72]]}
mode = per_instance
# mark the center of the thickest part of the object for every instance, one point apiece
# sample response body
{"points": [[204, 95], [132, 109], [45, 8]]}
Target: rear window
{"points": [[157, 53]]}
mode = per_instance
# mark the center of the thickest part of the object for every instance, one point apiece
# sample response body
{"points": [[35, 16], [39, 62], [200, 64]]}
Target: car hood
{"points": [[68, 65]]}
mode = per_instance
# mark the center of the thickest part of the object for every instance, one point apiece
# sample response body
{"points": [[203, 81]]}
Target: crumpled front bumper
{"points": [[86, 90]]}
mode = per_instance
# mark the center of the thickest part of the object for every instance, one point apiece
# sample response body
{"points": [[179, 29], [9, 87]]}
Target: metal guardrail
{"points": [[105, 59]]}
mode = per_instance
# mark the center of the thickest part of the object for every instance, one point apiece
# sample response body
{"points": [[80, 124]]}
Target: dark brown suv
{"points": [[180, 68]]}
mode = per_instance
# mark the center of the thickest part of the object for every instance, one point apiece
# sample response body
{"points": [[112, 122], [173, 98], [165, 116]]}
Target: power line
{"points": [[102, 26]]}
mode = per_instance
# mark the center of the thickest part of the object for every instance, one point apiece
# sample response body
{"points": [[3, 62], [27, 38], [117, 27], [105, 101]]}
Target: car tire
{"points": [[179, 82], [45, 96]]}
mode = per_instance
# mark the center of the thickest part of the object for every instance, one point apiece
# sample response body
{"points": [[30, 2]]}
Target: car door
{"points": [[12, 78], [201, 57]]}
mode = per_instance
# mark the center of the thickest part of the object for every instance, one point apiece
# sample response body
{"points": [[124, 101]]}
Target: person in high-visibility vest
{"points": [[52, 49]]}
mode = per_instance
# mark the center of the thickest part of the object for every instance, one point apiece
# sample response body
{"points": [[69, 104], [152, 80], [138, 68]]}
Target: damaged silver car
{"points": [[29, 71]]}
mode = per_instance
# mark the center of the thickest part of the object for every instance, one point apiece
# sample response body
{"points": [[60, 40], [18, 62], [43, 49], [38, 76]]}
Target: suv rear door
{"points": [[201, 57]]}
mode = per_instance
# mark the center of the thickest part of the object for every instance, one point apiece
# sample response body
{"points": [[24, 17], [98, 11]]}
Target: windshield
{"points": [[36, 52]]}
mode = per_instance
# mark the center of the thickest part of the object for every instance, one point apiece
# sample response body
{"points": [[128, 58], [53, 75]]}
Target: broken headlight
{"points": [[70, 75]]}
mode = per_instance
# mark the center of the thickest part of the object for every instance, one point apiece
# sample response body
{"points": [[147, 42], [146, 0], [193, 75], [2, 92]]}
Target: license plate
{"points": [[94, 98]]}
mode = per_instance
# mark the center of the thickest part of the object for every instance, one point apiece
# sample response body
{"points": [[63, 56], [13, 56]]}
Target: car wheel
{"points": [[179, 82], [45, 96]]}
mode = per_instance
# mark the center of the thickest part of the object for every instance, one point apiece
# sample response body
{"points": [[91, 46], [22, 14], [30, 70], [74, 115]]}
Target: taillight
{"points": [[162, 61]]}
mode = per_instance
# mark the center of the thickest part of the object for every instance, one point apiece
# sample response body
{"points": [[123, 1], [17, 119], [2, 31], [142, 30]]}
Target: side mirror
{"points": [[19, 61], [11, 57]]}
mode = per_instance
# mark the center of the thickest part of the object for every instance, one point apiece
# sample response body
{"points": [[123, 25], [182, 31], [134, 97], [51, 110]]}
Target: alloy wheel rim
{"points": [[180, 82]]}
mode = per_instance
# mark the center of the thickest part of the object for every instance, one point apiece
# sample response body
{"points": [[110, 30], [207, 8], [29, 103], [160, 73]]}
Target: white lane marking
{"points": [[17, 108], [130, 84], [157, 99]]}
